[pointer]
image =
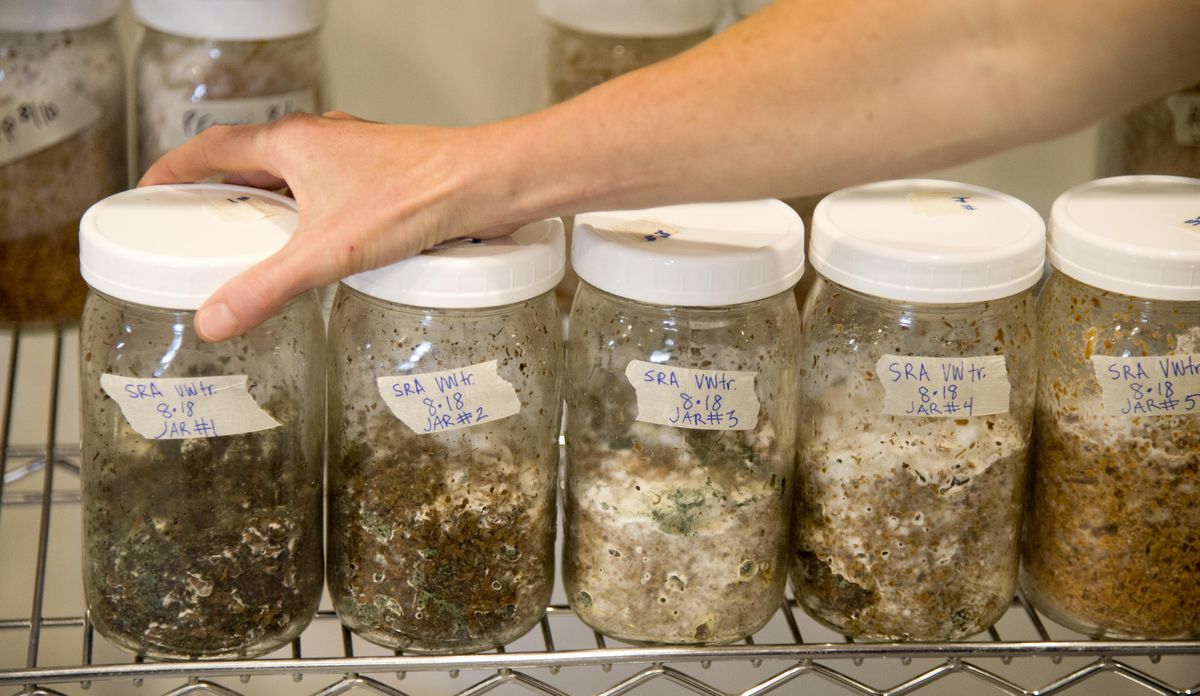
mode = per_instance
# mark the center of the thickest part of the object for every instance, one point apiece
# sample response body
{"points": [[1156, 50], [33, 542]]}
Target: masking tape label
{"points": [[1156, 385], [183, 408], [435, 402], [698, 399], [943, 387], [33, 122]]}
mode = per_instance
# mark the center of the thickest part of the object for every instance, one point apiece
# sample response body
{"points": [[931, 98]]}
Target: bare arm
{"points": [[802, 97]]}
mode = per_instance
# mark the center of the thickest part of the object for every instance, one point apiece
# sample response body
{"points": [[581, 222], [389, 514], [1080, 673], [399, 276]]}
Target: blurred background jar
{"points": [[62, 147], [208, 62], [1113, 525], [917, 383], [589, 42], [681, 419], [1161, 137], [444, 408], [201, 473]]}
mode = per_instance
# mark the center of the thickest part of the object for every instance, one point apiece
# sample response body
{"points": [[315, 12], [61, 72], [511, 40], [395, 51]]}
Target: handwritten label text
{"points": [[696, 399], [33, 122], [943, 387], [434, 402], [183, 408], [188, 118], [1157, 385]]}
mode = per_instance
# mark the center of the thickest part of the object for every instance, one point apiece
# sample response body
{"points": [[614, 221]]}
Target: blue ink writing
{"points": [[664, 378], [1155, 385]]}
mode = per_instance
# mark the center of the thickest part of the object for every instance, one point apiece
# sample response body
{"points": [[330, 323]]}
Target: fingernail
{"points": [[216, 322]]}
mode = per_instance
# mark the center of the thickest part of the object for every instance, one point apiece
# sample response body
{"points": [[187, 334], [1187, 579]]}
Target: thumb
{"points": [[254, 295]]}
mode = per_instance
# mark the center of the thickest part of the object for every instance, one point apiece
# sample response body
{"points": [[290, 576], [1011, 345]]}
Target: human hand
{"points": [[369, 194]]}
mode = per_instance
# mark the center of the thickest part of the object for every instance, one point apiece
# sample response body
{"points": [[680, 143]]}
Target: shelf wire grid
{"points": [[791, 659]]}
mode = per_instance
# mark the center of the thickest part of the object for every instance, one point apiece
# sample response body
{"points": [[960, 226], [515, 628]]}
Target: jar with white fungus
{"points": [[681, 419], [444, 410], [1113, 527], [589, 42], [201, 64], [201, 462], [917, 381], [62, 147], [1159, 137]]}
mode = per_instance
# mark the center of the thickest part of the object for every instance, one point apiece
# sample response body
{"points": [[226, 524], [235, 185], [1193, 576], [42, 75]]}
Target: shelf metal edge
{"points": [[592, 657]]}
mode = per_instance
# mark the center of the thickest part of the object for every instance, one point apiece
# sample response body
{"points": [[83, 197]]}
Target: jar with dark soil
{"points": [[1113, 527], [681, 417], [201, 463], [917, 382], [589, 43], [444, 409], [62, 148], [199, 66], [1160, 137]]}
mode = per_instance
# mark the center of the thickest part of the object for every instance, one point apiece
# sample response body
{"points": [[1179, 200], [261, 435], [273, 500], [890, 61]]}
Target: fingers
{"points": [[216, 150], [262, 180], [256, 294]]}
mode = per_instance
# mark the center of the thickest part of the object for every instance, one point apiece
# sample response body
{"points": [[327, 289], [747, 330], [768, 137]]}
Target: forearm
{"points": [[806, 96], [811, 96]]}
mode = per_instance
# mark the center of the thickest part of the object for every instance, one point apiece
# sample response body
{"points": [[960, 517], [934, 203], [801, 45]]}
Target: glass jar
{"points": [[222, 62], [681, 413], [201, 475], [918, 377], [62, 147], [1113, 526], [589, 42], [444, 409], [1161, 137]]}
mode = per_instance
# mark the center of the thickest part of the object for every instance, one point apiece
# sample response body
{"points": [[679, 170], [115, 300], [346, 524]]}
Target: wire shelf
{"points": [[791, 650]]}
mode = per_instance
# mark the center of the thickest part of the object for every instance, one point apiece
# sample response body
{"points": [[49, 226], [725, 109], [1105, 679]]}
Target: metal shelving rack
{"points": [[782, 660]]}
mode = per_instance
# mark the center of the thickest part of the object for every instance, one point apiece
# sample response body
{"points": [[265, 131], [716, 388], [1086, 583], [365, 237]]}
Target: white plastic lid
{"points": [[172, 246], [923, 240], [470, 273], [638, 18], [697, 255], [30, 16], [231, 20], [1136, 235]]}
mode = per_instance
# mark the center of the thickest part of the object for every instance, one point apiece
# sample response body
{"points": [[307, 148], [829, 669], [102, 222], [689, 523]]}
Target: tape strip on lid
{"points": [[29, 16], [698, 255], [469, 273], [1136, 235], [635, 18], [173, 246], [930, 241], [231, 20]]}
